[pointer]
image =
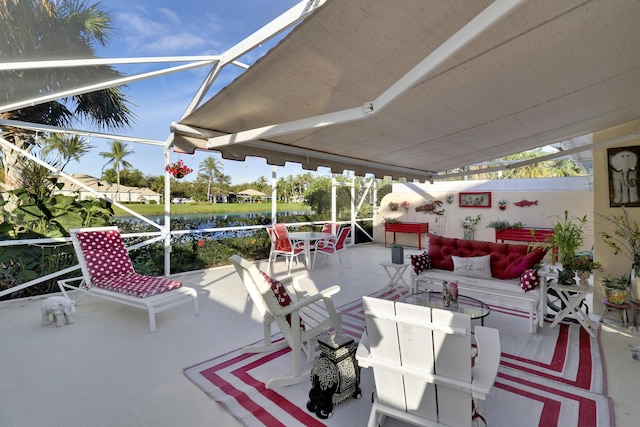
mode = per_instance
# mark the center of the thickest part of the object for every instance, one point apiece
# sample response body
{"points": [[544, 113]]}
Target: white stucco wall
{"points": [[553, 197]]}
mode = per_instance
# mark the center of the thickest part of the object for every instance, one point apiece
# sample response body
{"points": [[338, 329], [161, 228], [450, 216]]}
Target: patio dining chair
{"points": [[107, 273], [332, 247], [301, 317], [281, 245]]}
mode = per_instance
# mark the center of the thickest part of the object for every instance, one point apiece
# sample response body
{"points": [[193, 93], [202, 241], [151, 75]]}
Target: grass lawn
{"points": [[197, 208]]}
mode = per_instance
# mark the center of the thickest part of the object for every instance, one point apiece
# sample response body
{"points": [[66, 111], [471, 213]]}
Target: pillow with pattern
{"points": [[281, 294], [478, 266], [420, 262], [529, 280]]}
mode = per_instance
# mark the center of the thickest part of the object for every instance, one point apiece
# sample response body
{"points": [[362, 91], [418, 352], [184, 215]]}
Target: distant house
{"points": [[108, 189]]}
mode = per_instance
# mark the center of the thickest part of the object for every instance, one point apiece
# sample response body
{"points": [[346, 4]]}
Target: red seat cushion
{"points": [[138, 285], [508, 261]]}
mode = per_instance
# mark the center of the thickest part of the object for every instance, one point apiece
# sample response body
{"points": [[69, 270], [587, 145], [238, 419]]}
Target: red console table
{"points": [[406, 227], [523, 234]]}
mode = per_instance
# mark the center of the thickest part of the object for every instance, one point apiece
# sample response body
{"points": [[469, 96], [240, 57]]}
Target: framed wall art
{"points": [[623, 176], [475, 199]]}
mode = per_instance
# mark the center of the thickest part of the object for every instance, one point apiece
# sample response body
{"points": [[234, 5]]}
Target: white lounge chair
{"points": [[422, 364], [107, 273]]}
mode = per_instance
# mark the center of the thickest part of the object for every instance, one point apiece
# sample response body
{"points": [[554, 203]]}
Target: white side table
{"points": [[572, 297], [395, 273]]}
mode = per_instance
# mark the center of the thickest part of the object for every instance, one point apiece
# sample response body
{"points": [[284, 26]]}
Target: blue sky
{"points": [[166, 28]]}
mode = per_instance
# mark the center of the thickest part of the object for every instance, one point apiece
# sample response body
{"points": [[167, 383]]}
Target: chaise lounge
{"points": [[107, 272]]}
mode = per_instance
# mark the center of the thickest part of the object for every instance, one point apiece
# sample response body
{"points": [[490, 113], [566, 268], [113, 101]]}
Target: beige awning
{"points": [[548, 71]]}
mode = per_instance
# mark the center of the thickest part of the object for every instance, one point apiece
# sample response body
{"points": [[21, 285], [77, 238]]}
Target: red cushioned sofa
{"points": [[491, 272]]}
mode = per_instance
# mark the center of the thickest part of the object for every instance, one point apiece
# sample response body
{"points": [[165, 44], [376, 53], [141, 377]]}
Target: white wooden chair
{"points": [[317, 312], [107, 273], [422, 363]]}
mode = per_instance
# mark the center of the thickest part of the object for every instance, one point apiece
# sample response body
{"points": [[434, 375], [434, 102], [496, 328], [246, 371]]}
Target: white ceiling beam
{"points": [[99, 86], [55, 129], [286, 20], [73, 63]]}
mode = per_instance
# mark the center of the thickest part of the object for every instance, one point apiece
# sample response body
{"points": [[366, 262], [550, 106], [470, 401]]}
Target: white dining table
{"points": [[307, 237]]}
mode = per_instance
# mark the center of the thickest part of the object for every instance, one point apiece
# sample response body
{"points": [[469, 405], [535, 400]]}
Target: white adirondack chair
{"points": [[422, 363], [317, 312]]}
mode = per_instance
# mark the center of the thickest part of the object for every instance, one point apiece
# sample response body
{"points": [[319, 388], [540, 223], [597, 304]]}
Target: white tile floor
{"points": [[108, 370]]}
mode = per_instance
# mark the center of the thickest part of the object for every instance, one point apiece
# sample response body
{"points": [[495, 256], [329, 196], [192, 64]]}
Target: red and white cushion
{"points": [[110, 267]]}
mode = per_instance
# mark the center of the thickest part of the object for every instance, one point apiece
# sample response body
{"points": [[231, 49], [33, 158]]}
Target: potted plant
{"points": [[178, 169], [469, 226], [584, 265], [502, 204], [626, 240], [500, 224], [615, 288], [397, 254], [567, 237]]}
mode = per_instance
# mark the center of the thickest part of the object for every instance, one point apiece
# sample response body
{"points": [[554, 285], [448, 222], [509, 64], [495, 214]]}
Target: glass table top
{"points": [[476, 309]]}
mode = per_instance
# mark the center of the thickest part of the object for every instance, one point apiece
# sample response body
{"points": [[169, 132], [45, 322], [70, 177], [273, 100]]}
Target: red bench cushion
{"points": [[508, 261]]}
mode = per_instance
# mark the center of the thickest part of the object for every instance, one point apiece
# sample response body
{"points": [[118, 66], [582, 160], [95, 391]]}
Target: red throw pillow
{"points": [[420, 262], [529, 280], [281, 294]]}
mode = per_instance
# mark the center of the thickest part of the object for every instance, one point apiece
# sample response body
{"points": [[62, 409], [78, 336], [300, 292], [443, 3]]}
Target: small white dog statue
{"points": [[60, 308]]}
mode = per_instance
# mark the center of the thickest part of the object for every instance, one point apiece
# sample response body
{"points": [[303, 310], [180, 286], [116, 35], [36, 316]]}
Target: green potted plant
{"points": [[567, 237], [502, 204], [500, 224], [469, 226], [615, 288], [626, 240]]}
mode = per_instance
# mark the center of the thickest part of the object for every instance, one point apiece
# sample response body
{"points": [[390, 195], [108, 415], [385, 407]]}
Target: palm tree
{"points": [[116, 159], [210, 168], [64, 29], [69, 147]]}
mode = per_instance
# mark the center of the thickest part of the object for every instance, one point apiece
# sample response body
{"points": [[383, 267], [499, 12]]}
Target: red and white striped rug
{"points": [[552, 378]]}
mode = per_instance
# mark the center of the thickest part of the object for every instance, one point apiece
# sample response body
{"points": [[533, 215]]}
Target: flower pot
{"points": [[179, 175], [566, 277], [615, 295], [397, 255], [584, 277]]}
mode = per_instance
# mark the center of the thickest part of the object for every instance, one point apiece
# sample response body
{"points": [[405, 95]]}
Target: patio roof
{"points": [[418, 88]]}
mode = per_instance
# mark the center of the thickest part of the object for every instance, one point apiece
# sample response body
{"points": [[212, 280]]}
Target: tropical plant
{"points": [[625, 238], [567, 238], [623, 282], [70, 28], [210, 168], [116, 158], [68, 147]]}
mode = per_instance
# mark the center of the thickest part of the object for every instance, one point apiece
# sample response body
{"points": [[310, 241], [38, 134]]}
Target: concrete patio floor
{"points": [[108, 370]]}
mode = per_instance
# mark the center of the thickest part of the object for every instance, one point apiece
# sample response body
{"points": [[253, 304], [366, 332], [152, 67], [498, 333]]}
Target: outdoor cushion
{"points": [[420, 262], [280, 293], [105, 254], [530, 280], [472, 266], [137, 285], [508, 261], [110, 267]]}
